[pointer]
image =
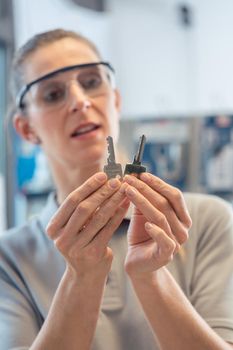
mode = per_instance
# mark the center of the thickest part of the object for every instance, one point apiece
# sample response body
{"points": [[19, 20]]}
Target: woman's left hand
{"points": [[159, 224]]}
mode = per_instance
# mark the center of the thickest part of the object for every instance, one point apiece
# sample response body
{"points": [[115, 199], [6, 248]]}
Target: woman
{"points": [[72, 278]]}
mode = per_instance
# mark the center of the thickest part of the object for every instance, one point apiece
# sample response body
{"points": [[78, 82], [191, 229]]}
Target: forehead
{"points": [[64, 52]]}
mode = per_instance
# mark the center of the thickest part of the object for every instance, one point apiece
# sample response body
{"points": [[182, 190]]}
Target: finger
{"points": [[173, 195], [103, 237], [87, 208], [165, 245], [98, 246], [102, 216], [67, 238], [161, 203], [151, 213], [74, 198], [70, 247]]}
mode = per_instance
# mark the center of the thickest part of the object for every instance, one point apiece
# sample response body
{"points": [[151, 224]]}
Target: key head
{"points": [[136, 167], [113, 170]]}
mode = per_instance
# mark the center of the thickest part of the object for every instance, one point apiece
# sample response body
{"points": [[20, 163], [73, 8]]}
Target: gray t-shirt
{"points": [[31, 268]]}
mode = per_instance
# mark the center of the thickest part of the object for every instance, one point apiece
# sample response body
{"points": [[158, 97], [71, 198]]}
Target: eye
{"points": [[53, 94], [91, 80]]}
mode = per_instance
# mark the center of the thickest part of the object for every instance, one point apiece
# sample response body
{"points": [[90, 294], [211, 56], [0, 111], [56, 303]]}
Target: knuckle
{"points": [[177, 194], [90, 186], [73, 198], [100, 218], [74, 254], [50, 230], [183, 236], [101, 195], [140, 199], [82, 208], [61, 245], [114, 201], [169, 249], [93, 253], [140, 185], [129, 267], [160, 234], [162, 221], [54, 232], [189, 222], [163, 204], [107, 190]]}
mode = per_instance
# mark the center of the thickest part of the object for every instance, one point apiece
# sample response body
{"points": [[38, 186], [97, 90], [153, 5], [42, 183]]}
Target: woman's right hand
{"points": [[86, 221]]}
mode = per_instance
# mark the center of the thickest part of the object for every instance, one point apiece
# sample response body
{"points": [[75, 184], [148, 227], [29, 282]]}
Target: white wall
{"points": [[152, 57], [214, 47], [162, 67], [32, 17]]}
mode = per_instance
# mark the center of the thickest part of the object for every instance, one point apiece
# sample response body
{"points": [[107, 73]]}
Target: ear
{"points": [[24, 129], [117, 100]]}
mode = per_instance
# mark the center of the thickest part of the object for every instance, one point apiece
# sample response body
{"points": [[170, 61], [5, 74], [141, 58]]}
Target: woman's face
{"points": [[73, 133]]}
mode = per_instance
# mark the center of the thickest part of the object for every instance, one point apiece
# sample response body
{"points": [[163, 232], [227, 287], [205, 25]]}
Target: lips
{"points": [[85, 129]]}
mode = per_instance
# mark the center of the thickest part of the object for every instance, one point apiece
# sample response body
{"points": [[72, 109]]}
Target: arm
{"points": [[81, 230], [174, 320], [172, 317]]}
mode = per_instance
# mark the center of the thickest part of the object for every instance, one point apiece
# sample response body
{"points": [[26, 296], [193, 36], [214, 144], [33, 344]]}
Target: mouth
{"points": [[85, 129]]}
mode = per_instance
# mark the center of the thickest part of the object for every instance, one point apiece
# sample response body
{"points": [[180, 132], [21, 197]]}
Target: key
{"points": [[112, 169], [136, 167]]}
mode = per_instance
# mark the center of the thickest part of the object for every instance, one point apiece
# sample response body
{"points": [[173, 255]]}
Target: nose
{"points": [[78, 100]]}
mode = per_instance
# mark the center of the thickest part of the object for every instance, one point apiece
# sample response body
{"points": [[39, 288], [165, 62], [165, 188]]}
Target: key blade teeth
{"points": [[111, 152], [112, 169]]}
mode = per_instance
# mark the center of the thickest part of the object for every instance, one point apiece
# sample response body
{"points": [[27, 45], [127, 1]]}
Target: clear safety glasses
{"points": [[51, 91]]}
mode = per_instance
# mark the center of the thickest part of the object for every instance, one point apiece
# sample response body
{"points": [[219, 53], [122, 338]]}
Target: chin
{"points": [[94, 155]]}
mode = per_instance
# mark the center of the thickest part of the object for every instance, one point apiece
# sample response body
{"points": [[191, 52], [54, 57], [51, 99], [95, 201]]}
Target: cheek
{"points": [[48, 134], [43, 125]]}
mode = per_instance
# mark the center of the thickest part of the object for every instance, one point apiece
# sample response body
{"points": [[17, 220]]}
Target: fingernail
{"points": [[123, 188], [129, 179], [144, 176], [131, 191], [101, 177], [148, 226], [114, 183]]}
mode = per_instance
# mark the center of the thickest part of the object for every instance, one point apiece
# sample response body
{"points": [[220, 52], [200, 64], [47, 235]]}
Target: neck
{"points": [[67, 181]]}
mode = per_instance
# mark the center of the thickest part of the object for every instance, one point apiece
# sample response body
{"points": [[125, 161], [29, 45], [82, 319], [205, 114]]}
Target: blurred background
{"points": [[174, 68]]}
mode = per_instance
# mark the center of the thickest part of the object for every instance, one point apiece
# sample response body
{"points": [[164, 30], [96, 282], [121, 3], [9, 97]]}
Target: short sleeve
{"points": [[19, 324], [212, 280]]}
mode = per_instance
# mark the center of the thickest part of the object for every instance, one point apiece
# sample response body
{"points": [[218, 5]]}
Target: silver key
{"points": [[112, 169]]}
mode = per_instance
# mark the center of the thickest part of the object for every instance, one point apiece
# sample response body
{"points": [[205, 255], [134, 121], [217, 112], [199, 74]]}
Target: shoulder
{"points": [[208, 206], [23, 243], [28, 258], [28, 239], [26, 233], [212, 219]]}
